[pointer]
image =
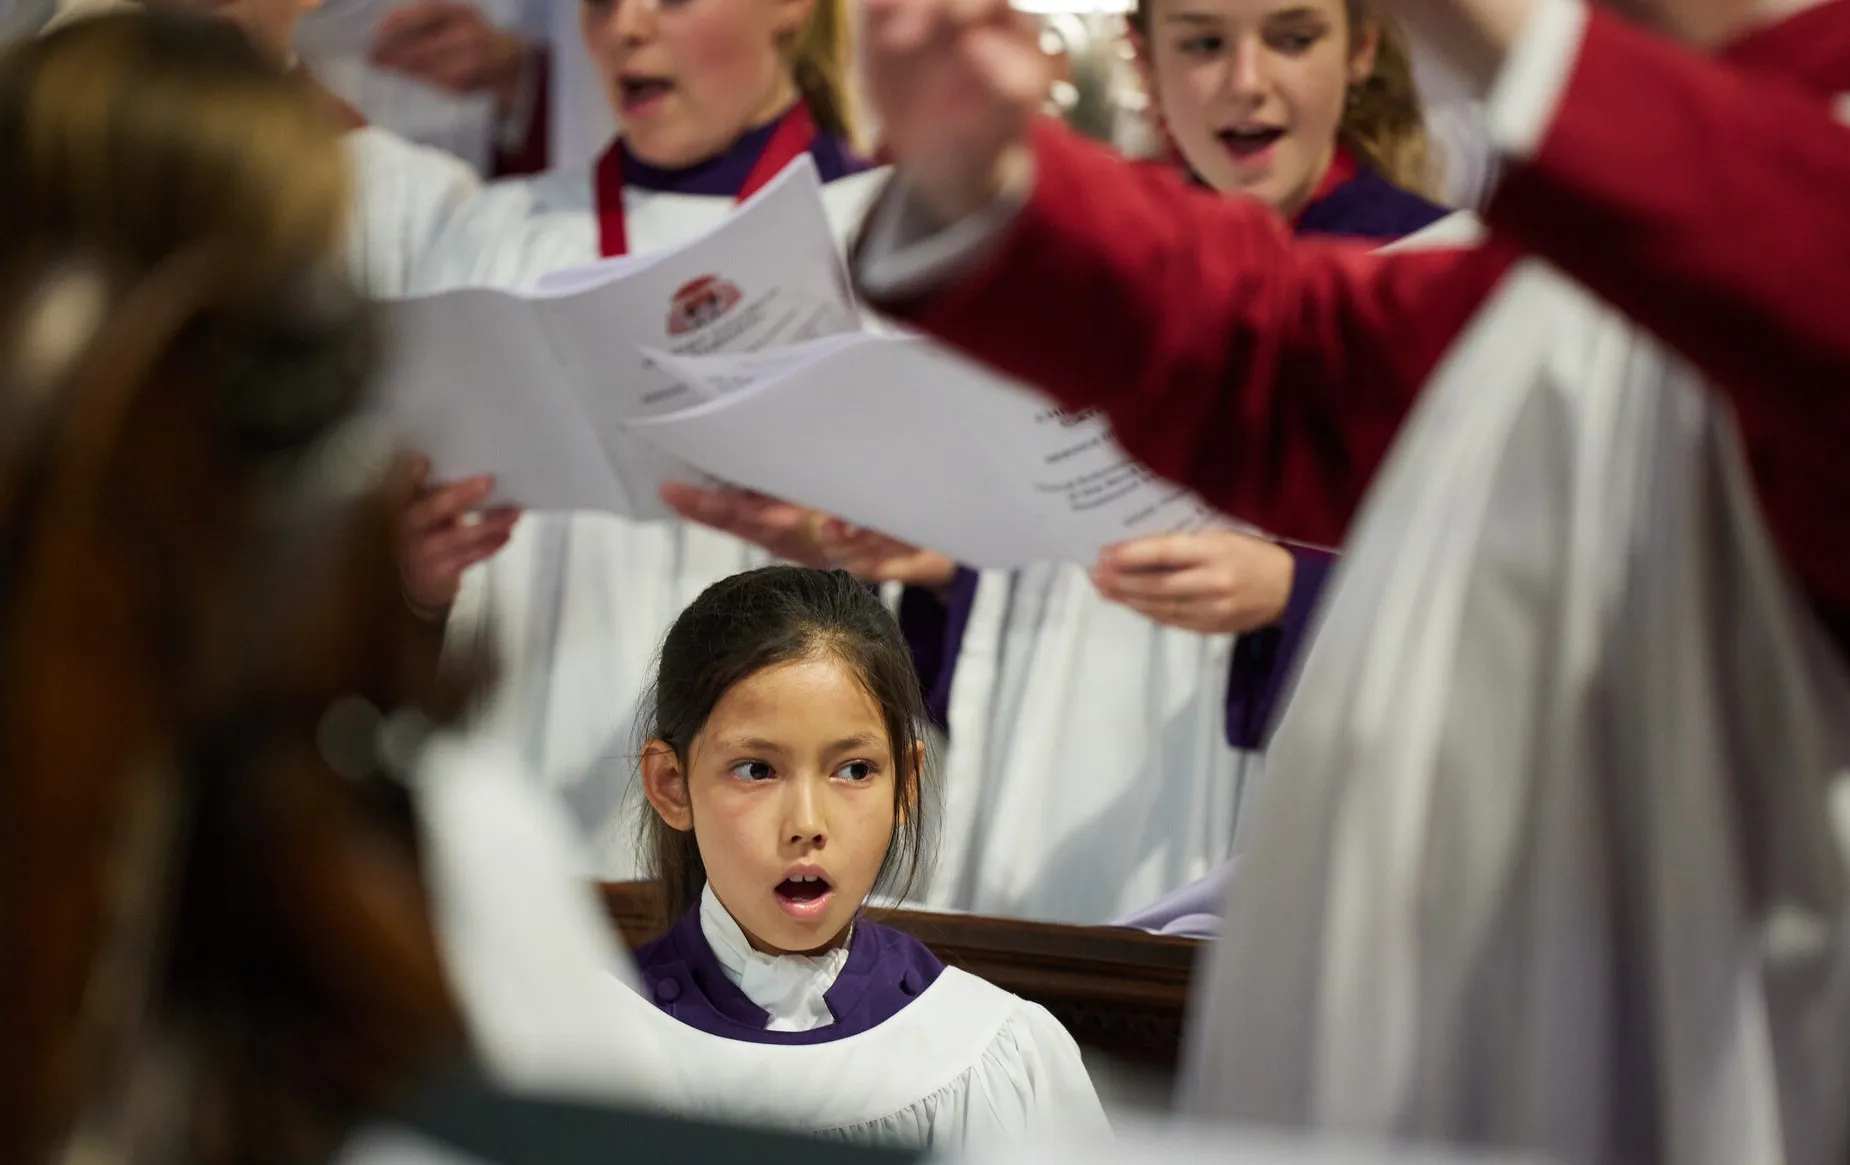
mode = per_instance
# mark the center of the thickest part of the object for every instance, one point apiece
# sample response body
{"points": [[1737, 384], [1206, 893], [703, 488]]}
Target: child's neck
{"points": [[791, 987]]}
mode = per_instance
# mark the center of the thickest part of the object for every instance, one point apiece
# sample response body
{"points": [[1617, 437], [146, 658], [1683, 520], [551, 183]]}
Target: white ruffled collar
{"points": [[790, 988]]}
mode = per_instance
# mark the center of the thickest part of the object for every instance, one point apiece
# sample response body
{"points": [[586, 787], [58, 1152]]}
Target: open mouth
{"points": [[1249, 143], [804, 895], [642, 94]]}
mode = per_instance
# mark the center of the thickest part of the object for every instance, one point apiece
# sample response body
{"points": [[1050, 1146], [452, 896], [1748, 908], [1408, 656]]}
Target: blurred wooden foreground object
{"points": [[1122, 992], [216, 942]]}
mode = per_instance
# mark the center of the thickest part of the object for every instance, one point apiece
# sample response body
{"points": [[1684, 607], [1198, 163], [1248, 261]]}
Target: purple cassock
{"points": [[886, 970]]}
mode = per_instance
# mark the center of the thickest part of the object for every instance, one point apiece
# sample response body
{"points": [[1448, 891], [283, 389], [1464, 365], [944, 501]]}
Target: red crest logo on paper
{"points": [[699, 303]]}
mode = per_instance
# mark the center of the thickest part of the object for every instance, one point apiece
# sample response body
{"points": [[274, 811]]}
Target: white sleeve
{"points": [[1031, 1084], [1522, 101], [546, 989], [904, 252], [1065, 1098], [404, 195]]}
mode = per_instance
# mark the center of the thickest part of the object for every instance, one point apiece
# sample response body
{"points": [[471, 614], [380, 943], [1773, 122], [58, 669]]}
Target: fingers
{"points": [[454, 57], [467, 540], [1187, 585], [442, 504], [708, 506], [435, 41], [414, 24], [900, 27], [1159, 552], [748, 515], [1016, 71], [410, 19], [920, 568]]}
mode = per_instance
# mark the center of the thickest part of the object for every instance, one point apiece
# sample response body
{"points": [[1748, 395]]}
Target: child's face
{"points": [[790, 790], [1252, 91], [687, 77]]}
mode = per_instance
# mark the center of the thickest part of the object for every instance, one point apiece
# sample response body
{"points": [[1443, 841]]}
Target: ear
{"points": [[1362, 52], [909, 796], [665, 785], [789, 16]]}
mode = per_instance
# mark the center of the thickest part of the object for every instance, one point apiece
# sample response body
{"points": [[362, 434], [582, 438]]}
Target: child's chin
{"points": [[799, 927]]}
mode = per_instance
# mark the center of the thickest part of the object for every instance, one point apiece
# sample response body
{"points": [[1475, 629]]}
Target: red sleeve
{"points": [[1269, 375], [1710, 207], [530, 156]]}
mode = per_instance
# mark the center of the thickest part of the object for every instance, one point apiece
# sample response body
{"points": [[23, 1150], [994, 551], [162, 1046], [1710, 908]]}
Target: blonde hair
{"points": [[1383, 121], [133, 135], [822, 65]]}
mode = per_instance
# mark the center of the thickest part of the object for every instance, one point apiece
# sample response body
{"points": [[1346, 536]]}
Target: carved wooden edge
{"points": [[1121, 991]]}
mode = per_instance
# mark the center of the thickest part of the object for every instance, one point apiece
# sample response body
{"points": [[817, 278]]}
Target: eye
{"points": [[753, 770], [1294, 43], [857, 771], [1205, 45]]}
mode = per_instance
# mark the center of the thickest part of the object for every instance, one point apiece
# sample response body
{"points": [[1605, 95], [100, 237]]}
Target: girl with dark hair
{"points": [[787, 773]]}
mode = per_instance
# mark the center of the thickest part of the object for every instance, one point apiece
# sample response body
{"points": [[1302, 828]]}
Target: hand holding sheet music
{"points": [[538, 387], [743, 356], [901, 436]]}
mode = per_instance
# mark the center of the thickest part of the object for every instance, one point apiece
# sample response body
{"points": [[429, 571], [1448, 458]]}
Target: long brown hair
{"points": [[217, 947], [1383, 121]]}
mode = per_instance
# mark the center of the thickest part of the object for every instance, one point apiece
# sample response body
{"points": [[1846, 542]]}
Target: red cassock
{"points": [[1272, 376]]}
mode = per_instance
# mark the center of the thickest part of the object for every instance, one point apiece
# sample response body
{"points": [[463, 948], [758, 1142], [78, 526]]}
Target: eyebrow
{"points": [[1206, 18], [761, 744]]}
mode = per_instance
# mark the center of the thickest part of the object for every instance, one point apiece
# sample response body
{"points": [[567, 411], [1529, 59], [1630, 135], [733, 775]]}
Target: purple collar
{"points": [[724, 174], [886, 970]]}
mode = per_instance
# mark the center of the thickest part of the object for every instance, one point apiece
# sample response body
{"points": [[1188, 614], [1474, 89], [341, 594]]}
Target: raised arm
{"points": [[1707, 204], [1270, 375]]}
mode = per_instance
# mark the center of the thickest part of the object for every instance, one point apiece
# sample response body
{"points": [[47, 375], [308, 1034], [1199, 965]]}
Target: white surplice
{"points": [[1088, 771], [576, 605], [1555, 854], [1099, 737], [336, 36], [404, 194], [552, 1006]]}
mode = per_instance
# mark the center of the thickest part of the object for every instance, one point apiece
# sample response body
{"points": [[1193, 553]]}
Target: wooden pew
{"points": [[1120, 991]]}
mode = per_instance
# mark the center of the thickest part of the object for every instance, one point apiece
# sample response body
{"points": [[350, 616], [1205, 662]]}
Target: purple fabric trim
{"points": [[886, 970], [1264, 662], [934, 629], [724, 174], [1193, 911], [1368, 206]]}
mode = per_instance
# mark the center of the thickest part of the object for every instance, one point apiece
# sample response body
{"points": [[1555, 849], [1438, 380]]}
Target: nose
{"points": [[804, 816], [633, 20], [622, 21], [1246, 71]]}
